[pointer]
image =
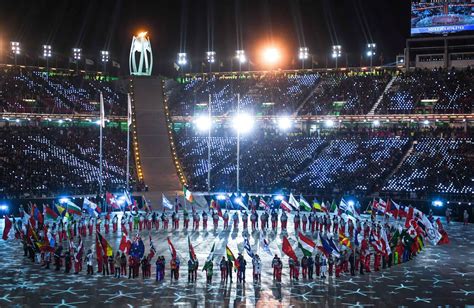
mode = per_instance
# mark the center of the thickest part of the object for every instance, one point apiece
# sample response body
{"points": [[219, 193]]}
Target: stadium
{"points": [[283, 171]]}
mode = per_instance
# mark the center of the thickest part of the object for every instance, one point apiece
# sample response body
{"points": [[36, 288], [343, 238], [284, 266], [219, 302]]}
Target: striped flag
{"points": [[306, 245], [265, 245], [247, 247], [166, 203], [263, 204], [172, 250], [304, 204], [192, 254], [187, 194], [285, 206], [292, 201]]}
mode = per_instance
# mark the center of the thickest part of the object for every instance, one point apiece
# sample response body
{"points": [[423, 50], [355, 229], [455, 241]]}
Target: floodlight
{"points": [[437, 203], [61, 121], [370, 53], [336, 51], [76, 53], [238, 200], [271, 55], [104, 56], [329, 123], [303, 53], [279, 197], [202, 123], [221, 197], [243, 123], [285, 123], [63, 200], [211, 56], [350, 203], [47, 53], [3, 207], [182, 58], [15, 48], [240, 55], [376, 123], [426, 122]]}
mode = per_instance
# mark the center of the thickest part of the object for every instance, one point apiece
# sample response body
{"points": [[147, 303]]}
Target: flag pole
{"points": [[238, 141], [129, 122], [102, 122], [209, 148]]}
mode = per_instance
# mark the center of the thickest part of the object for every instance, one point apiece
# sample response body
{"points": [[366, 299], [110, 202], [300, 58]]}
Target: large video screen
{"points": [[441, 17]]}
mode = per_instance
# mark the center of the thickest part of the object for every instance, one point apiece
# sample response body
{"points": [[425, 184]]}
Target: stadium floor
{"points": [[440, 275]]}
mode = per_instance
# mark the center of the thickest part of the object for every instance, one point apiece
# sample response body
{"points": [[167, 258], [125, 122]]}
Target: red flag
{"points": [[287, 249], [285, 206], [172, 250], [110, 199], [125, 243], [124, 229], [105, 245], [98, 249], [6, 230], [263, 204], [409, 217], [192, 254]]}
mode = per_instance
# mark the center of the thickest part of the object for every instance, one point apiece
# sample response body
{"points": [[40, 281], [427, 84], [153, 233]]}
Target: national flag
{"points": [[385, 242], [375, 242], [263, 204], [248, 248], [332, 244], [172, 250], [187, 194], [287, 249], [115, 64], [79, 250], [317, 205], [128, 198], [152, 249], [137, 250], [38, 216], [73, 208], [111, 200], [98, 249], [104, 244], [265, 246], [49, 213], [343, 240], [285, 206], [409, 217], [324, 207], [343, 205], [333, 208], [166, 203], [102, 111], [230, 255], [210, 257], [192, 254], [327, 248], [304, 204], [125, 244], [292, 201], [306, 245], [394, 209], [90, 207], [146, 205], [241, 203], [7, 228]]}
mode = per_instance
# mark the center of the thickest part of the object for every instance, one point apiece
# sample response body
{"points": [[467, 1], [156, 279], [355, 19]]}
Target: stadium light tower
{"points": [[371, 51], [77, 54], [47, 53], [303, 55], [336, 52], [104, 56], [211, 58], [15, 48]]}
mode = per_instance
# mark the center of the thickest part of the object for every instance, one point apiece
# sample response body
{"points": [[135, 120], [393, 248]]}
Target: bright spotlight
{"points": [[182, 58], [437, 203], [271, 55], [221, 197], [211, 56], [15, 48], [3, 207], [202, 123], [376, 122], [63, 200], [336, 51], [426, 122], [279, 197], [284, 123], [329, 123], [243, 123], [369, 53], [240, 55], [238, 200], [350, 203], [77, 53], [47, 53], [303, 53], [104, 56]]}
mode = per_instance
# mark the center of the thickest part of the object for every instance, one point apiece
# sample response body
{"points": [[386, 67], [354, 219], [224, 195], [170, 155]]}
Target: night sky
{"points": [[193, 26]]}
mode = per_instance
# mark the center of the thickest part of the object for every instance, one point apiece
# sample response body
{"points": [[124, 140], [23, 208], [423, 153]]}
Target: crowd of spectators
{"points": [[31, 90], [337, 161], [38, 160], [430, 91]]}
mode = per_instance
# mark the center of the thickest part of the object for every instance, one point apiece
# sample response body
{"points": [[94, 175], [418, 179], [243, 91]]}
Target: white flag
{"points": [[102, 110], [166, 203], [129, 113], [292, 201]]}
